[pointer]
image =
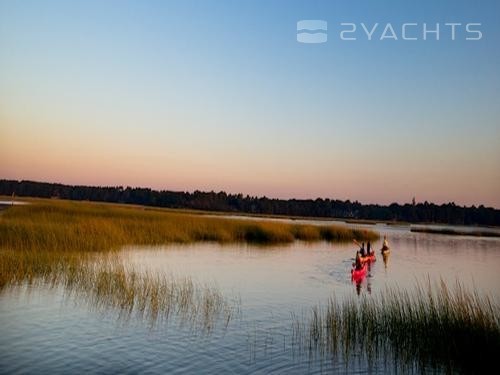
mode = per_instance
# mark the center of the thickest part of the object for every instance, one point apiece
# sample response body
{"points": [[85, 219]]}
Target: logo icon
{"points": [[312, 31]]}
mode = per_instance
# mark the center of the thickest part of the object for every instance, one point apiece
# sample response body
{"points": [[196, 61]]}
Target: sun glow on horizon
{"points": [[158, 95]]}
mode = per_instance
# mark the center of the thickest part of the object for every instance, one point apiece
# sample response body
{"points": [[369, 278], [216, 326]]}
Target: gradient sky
{"points": [[219, 95]]}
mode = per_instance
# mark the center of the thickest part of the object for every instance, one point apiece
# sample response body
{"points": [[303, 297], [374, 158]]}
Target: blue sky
{"points": [[219, 95]]}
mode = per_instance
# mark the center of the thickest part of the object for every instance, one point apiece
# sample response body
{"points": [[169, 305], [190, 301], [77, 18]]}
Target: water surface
{"points": [[42, 331]]}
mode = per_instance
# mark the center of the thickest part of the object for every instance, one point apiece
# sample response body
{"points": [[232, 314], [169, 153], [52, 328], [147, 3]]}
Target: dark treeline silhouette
{"points": [[414, 212]]}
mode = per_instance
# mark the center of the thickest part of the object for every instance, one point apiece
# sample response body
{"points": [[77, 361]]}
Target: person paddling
{"points": [[385, 245], [358, 265], [362, 249]]}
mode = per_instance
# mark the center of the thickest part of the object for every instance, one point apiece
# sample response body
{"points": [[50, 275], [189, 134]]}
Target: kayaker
{"points": [[359, 265], [385, 245], [362, 249]]}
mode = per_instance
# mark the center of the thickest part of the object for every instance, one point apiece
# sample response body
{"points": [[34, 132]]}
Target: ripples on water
{"points": [[42, 331]]}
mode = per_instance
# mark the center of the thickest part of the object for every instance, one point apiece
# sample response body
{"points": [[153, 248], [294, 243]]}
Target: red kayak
{"points": [[368, 258], [357, 275]]}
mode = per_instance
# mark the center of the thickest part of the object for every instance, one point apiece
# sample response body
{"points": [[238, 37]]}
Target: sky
{"points": [[220, 95]]}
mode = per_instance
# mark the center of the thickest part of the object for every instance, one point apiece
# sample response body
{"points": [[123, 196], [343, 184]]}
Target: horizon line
{"points": [[254, 196]]}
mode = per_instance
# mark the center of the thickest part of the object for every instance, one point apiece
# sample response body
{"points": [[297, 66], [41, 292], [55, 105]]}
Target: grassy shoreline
{"points": [[454, 232], [47, 234], [63, 243], [200, 212], [83, 226]]}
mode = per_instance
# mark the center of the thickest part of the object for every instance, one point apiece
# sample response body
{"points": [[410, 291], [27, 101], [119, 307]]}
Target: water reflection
{"points": [[359, 284], [105, 284], [385, 257], [358, 287], [365, 280]]}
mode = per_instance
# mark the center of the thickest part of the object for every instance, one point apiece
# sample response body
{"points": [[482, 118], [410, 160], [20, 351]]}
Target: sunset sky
{"points": [[219, 95]]}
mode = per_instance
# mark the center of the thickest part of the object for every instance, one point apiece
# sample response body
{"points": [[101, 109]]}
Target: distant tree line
{"points": [[414, 213]]}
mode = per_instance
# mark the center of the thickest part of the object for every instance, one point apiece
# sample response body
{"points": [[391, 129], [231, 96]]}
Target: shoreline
{"points": [[451, 232], [236, 214]]}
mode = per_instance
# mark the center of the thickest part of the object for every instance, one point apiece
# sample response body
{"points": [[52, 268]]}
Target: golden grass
{"points": [[50, 235], [431, 328], [64, 243], [101, 280], [82, 226]]}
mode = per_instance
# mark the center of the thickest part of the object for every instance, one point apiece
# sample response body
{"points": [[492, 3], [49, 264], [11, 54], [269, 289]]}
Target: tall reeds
{"points": [[430, 328], [65, 243], [105, 283], [64, 225]]}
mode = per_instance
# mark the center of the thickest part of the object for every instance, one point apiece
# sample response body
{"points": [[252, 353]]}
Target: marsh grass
{"points": [[74, 245], [430, 328], [103, 282], [50, 236], [455, 232], [83, 226]]}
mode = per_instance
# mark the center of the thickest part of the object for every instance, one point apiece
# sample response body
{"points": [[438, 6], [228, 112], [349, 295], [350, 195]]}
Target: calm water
{"points": [[42, 331]]}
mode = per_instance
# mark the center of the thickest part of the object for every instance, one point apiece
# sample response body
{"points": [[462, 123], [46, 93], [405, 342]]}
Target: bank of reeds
{"points": [[82, 226], [428, 329], [105, 283], [63, 243]]}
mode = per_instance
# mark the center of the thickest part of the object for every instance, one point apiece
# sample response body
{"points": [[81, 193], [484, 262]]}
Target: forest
{"points": [[413, 212]]}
